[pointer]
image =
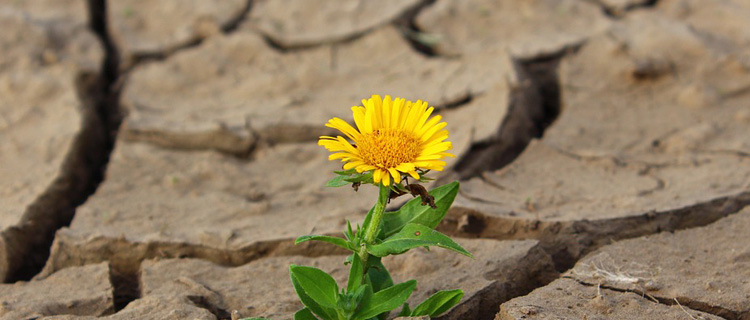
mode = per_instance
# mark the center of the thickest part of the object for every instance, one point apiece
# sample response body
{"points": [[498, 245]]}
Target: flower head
{"points": [[392, 137]]}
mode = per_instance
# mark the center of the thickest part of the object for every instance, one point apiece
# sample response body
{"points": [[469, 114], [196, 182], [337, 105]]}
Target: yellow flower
{"points": [[392, 137]]}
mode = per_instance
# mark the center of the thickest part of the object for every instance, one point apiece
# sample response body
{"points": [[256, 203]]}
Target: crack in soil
{"points": [[125, 287], [205, 303], [417, 38], [456, 103], [619, 13], [534, 106], [125, 257], [682, 301], [282, 48], [83, 169], [403, 22], [228, 27], [568, 241]]}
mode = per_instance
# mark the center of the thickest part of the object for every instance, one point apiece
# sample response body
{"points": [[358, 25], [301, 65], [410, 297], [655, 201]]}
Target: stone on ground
{"points": [[289, 24], [568, 299], [161, 27], [524, 28], [84, 291], [705, 268], [151, 308]]}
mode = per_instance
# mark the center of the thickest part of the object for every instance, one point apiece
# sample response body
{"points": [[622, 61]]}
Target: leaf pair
{"points": [[319, 293], [414, 235], [413, 225], [414, 213], [317, 290], [350, 176]]}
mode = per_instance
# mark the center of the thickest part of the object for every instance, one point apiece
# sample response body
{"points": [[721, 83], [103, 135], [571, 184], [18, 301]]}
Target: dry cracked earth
{"points": [[159, 157]]}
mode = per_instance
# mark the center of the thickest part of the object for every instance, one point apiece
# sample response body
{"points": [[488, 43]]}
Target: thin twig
{"points": [[683, 309]]}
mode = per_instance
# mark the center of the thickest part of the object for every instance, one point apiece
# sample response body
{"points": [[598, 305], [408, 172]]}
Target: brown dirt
{"points": [[703, 268], [639, 147], [576, 125], [76, 291], [567, 299]]}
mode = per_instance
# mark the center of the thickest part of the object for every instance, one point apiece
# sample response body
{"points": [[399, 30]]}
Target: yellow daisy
{"points": [[392, 137]]}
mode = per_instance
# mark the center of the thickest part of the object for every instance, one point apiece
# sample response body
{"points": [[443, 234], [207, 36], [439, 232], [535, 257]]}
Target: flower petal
{"points": [[427, 134], [387, 110], [396, 113], [427, 126], [365, 167], [377, 175], [405, 167], [423, 117], [341, 155], [437, 148], [395, 174], [359, 119], [353, 164], [344, 127], [440, 136], [347, 145], [377, 104], [414, 174], [415, 111]]}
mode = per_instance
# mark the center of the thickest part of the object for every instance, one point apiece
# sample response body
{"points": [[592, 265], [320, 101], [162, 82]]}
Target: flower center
{"points": [[388, 148]]}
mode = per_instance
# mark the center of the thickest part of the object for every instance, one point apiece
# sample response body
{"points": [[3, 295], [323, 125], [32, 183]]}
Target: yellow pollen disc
{"points": [[388, 148]]}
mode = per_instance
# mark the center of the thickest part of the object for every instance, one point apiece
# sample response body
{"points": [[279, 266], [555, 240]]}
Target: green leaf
{"points": [[365, 223], [378, 276], [357, 295], [348, 177], [341, 242], [346, 172], [355, 274], [377, 279], [414, 235], [414, 212], [361, 178], [315, 285], [304, 314], [337, 181], [386, 300], [405, 311], [349, 233], [325, 313], [438, 303]]}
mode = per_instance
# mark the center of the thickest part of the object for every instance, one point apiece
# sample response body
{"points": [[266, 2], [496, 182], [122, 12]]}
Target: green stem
{"points": [[377, 215]]}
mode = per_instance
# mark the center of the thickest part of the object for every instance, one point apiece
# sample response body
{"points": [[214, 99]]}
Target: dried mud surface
{"points": [[74, 291], [605, 136], [494, 274], [649, 139], [568, 299], [46, 128], [696, 273]]}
